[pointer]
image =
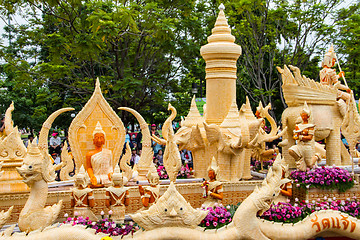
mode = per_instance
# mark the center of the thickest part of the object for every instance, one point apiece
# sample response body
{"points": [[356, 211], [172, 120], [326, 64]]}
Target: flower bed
{"points": [[184, 173], [323, 177], [218, 216], [104, 225], [288, 213]]}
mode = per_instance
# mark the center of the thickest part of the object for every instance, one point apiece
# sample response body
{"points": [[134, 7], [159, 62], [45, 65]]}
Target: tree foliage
{"points": [[146, 52]]}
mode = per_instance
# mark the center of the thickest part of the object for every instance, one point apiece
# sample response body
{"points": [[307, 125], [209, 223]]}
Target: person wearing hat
{"points": [[153, 129], [55, 143]]}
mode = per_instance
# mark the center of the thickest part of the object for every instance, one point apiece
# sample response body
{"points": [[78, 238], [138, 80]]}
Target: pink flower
{"points": [[215, 224], [207, 224]]}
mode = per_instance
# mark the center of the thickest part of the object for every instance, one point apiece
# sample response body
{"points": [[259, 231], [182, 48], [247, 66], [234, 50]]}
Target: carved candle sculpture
{"points": [[285, 186], [259, 142], [82, 198], [329, 77], [117, 196], [4, 215], [325, 111], [303, 152], [12, 152], [99, 160], [171, 210], [37, 170], [68, 167], [81, 136], [149, 194], [147, 152], [213, 189]]}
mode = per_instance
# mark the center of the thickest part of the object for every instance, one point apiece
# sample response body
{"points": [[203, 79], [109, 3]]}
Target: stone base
{"points": [[192, 192]]}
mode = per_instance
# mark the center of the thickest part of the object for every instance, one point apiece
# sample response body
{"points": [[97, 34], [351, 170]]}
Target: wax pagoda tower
{"points": [[220, 55]]}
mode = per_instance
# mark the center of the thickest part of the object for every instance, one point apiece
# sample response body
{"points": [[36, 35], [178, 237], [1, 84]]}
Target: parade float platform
{"points": [[316, 193], [192, 192]]}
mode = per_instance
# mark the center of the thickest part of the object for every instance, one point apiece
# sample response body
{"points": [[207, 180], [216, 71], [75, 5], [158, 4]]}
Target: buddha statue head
{"points": [[99, 135]]}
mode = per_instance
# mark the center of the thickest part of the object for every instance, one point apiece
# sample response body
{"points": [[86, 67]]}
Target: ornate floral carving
{"points": [[37, 170], [170, 210]]}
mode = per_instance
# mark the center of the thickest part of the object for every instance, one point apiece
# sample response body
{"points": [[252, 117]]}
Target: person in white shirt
{"points": [[55, 143]]}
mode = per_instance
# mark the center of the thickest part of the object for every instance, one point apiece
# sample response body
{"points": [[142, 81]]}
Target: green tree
{"points": [[348, 41], [136, 48], [273, 33]]}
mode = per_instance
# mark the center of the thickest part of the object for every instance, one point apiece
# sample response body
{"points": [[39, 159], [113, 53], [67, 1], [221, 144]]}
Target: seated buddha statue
{"points": [[99, 160]]}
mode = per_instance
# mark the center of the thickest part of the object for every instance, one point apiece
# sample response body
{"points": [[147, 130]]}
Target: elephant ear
{"points": [[213, 132], [196, 138]]}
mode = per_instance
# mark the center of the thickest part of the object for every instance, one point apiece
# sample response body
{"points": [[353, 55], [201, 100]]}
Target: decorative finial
{"points": [[232, 119], [97, 83], [193, 118], [98, 129], [222, 7], [306, 109], [214, 167]]}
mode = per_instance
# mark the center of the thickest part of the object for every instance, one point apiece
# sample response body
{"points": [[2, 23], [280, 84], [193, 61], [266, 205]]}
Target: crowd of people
{"points": [[134, 139]]}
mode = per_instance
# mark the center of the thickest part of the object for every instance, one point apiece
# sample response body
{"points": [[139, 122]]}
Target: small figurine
{"points": [[99, 160], [213, 190], [303, 152], [285, 186], [150, 194], [117, 196], [329, 77], [82, 198]]}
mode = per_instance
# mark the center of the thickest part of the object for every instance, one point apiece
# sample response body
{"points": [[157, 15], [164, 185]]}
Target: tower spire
{"points": [[220, 55]]}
